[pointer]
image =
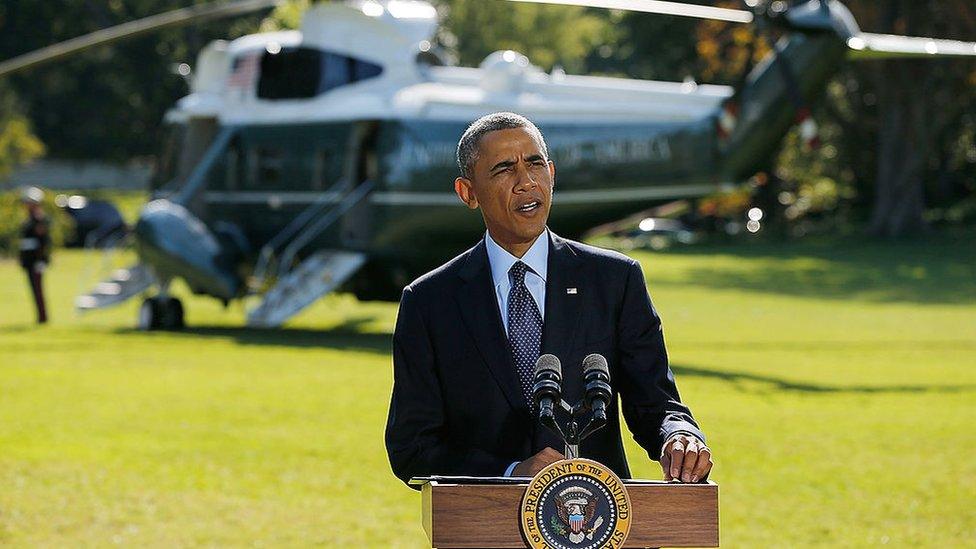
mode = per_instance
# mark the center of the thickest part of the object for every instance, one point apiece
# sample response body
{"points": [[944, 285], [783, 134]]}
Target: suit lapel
{"points": [[479, 310], [563, 299]]}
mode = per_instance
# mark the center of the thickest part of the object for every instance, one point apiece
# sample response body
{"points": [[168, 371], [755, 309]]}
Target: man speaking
{"points": [[468, 334]]}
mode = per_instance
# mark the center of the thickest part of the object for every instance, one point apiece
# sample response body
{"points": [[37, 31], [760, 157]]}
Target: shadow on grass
{"points": [[345, 336], [799, 386], [940, 269], [21, 328], [817, 346]]}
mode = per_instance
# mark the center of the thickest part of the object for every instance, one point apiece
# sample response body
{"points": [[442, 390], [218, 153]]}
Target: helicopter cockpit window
{"points": [[336, 71], [265, 166], [361, 70], [296, 73]]}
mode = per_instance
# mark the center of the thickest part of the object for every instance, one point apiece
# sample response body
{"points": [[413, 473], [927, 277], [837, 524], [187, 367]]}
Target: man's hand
{"points": [[536, 463], [685, 458]]}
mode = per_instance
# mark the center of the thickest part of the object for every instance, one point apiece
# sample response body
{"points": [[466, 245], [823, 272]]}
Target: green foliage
{"points": [[18, 144], [287, 15], [821, 372], [639, 45], [549, 35], [472, 29], [889, 112], [812, 184], [556, 526], [105, 103]]}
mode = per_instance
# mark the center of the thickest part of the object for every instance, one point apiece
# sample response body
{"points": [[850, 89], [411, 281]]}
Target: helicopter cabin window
{"points": [[265, 166], [296, 73], [234, 164], [323, 170]]}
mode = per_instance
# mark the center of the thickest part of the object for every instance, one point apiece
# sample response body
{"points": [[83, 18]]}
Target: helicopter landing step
{"points": [[123, 284], [319, 274]]}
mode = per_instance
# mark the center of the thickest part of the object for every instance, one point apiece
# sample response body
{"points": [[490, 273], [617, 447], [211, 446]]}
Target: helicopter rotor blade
{"points": [[659, 7], [867, 46], [130, 29]]}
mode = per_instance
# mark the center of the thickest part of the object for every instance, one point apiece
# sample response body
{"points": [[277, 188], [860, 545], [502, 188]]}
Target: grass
{"points": [[836, 382]]}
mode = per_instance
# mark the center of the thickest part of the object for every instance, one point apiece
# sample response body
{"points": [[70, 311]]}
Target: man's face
{"points": [[511, 181]]}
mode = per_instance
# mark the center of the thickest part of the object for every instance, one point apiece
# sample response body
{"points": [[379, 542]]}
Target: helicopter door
{"points": [[362, 164], [200, 133]]}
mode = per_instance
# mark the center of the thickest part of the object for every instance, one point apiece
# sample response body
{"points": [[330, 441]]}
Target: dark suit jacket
{"points": [[457, 408]]}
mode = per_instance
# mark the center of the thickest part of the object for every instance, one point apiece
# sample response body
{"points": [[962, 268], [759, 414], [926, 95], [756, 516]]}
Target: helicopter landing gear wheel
{"points": [[161, 313], [173, 314]]}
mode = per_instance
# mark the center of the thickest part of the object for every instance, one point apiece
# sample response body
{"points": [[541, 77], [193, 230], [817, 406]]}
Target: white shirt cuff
{"points": [[508, 472]]}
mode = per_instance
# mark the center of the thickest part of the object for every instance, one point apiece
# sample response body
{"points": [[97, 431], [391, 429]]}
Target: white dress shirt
{"points": [[500, 261], [537, 258]]}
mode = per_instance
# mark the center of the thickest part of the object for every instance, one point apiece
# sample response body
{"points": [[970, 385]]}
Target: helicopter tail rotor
{"points": [[658, 7], [866, 46]]}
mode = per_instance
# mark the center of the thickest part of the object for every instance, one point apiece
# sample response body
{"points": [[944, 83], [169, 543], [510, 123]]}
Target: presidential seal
{"points": [[575, 504]]}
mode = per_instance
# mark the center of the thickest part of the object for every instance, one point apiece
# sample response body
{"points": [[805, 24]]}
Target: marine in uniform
{"points": [[35, 247]]}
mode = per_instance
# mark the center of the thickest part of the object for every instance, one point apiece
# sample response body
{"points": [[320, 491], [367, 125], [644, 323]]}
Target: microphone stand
{"points": [[575, 431], [571, 439]]}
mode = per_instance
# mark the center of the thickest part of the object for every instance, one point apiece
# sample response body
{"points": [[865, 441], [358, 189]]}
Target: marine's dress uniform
{"points": [[35, 253]]}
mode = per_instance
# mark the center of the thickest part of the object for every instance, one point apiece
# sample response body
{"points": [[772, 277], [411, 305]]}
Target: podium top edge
{"points": [[439, 479], [453, 480]]}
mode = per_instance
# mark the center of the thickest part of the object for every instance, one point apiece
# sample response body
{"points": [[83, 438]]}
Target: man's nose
{"points": [[524, 180]]}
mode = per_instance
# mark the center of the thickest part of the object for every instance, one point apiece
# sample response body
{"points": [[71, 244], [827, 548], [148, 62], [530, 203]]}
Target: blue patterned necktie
{"points": [[524, 328]]}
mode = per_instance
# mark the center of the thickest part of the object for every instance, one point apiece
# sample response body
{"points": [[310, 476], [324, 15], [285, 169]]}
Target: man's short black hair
{"points": [[467, 149]]}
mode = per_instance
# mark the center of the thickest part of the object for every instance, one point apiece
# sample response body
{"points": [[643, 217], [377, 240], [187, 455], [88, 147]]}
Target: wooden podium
{"points": [[473, 512]]}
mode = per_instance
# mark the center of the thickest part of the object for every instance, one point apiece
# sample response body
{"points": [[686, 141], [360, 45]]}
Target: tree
{"points": [[18, 144], [898, 132], [547, 35], [919, 109], [104, 103]]}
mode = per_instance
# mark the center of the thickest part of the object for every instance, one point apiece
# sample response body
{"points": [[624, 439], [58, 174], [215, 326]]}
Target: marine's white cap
{"points": [[32, 195]]}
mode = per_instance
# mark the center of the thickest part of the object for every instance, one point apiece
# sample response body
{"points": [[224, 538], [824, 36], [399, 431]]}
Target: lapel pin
{"points": [[571, 291]]}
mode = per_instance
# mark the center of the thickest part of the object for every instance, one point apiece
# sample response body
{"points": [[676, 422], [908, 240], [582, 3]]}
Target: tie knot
{"points": [[517, 273]]}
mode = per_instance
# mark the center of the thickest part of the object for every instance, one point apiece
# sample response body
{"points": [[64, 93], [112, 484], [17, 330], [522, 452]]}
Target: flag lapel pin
{"points": [[571, 291]]}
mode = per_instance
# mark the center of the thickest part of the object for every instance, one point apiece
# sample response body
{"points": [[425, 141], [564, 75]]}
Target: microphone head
{"points": [[547, 386], [549, 363], [595, 363], [596, 376]]}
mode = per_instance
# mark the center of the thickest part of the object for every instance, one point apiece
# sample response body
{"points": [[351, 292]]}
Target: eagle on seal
{"points": [[575, 507]]}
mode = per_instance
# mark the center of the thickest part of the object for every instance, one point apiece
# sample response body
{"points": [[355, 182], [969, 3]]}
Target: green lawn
{"points": [[836, 382]]}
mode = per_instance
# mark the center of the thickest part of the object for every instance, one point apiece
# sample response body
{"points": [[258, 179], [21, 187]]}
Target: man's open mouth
{"points": [[528, 207]]}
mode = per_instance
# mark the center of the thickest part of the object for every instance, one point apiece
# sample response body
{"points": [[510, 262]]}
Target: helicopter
{"points": [[314, 160]]}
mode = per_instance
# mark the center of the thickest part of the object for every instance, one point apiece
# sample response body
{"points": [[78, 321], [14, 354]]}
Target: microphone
{"points": [[547, 387], [596, 380]]}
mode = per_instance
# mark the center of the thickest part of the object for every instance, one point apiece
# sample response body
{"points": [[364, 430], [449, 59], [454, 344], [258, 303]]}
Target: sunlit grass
{"points": [[836, 385]]}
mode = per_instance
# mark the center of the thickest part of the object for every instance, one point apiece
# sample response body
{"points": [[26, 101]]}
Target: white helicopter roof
{"points": [[506, 80], [391, 34], [387, 33]]}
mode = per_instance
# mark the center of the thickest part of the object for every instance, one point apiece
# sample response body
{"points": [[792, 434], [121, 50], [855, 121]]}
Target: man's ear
{"points": [[552, 172], [462, 186]]}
